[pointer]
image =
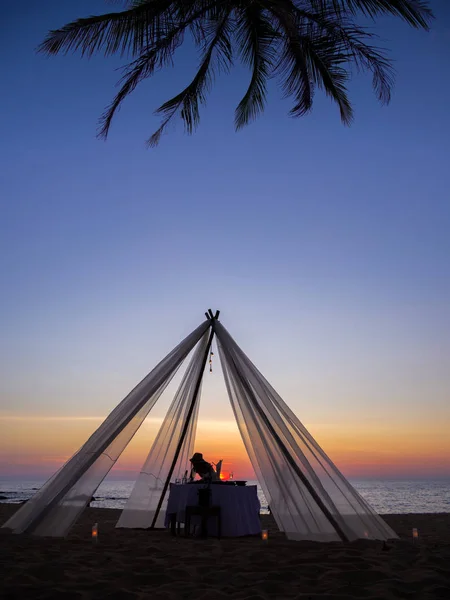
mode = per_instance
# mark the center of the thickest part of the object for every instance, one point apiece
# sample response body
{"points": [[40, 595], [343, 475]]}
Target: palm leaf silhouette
{"points": [[306, 44]]}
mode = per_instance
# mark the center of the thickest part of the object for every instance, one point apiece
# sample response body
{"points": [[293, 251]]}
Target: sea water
{"points": [[384, 496]]}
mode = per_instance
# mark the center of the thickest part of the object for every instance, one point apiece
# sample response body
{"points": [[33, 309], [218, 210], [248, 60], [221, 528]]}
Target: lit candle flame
{"points": [[264, 535]]}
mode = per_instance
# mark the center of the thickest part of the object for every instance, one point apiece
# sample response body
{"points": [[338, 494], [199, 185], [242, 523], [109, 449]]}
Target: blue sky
{"points": [[326, 248]]}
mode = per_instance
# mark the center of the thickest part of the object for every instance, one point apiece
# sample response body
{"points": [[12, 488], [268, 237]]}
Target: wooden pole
{"points": [[186, 424]]}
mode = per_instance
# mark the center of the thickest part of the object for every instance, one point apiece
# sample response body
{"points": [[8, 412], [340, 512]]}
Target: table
{"points": [[239, 507]]}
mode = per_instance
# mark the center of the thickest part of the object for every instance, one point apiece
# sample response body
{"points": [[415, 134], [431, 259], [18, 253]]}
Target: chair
{"points": [[174, 524], [205, 512]]}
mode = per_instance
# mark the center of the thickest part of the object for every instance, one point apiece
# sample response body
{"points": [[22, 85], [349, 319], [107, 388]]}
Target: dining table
{"points": [[239, 507]]}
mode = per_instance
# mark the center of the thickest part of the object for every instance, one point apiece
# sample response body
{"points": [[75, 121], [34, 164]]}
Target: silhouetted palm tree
{"points": [[307, 44]]}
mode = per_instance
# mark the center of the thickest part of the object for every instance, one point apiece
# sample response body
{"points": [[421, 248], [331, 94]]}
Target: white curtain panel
{"points": [[55, 507], [139, 511], [308, 496]]}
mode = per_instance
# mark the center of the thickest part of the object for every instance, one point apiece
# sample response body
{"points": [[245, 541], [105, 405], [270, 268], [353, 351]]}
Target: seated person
{"points": [[203, 468]]}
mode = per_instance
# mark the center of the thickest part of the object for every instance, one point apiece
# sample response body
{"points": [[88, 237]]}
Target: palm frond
{"points": [[308, 44], [369, 58], [350, 40], [187, 102], [129, 31], [210, 10], [156, 57], [416, 13], [327, 68], [256, 40], [160, 55], [311, 59], [292, 66]]}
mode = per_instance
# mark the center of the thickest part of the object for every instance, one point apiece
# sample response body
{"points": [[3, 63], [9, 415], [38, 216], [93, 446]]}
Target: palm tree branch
{"points": [[187, 101], [126, 31], [142, 68], [367, 57], [350, 39], [292, 65], [159, 55], [416, 13], [308, 43], [255, 37], [324, 61], [328, 72]]}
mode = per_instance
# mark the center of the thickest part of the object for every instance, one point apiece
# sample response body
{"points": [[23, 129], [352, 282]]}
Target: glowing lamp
{"points": [[264, 535], [224, 476], [415, 535], [95, 533]]}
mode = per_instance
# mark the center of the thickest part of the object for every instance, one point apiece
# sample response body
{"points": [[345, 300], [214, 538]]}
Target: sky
{"points": [[326, 249]]}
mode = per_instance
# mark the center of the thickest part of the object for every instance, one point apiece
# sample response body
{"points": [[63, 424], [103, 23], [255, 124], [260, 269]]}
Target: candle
{"points": [[264, 535], [415, 534], [95, 533]]}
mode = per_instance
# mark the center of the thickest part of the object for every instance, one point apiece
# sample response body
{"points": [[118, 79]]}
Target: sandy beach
{"points": [[129, 564]]}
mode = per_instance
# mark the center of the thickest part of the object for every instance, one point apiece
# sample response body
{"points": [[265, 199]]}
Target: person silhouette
{"points": [[201, 467]]}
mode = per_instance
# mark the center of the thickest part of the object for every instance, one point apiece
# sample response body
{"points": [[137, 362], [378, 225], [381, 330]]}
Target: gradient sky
{"points": [[326, 248]]}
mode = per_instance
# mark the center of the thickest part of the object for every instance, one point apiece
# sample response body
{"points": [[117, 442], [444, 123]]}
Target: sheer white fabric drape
{"points": [[140, 508], [56, 506], [260, 412], [308, 496]]}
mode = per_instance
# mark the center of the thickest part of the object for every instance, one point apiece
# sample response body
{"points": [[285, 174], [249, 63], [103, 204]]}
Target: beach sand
{"points": [[129, 564]]}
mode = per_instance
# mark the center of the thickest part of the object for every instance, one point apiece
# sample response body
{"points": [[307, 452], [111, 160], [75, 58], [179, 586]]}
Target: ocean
{"points": [[394, 497]]}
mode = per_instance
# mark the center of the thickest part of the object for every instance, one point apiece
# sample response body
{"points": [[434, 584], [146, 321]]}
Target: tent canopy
{"points": [[309, 497]]}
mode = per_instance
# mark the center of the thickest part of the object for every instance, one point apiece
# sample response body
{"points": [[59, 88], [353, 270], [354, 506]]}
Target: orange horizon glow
{"points": [[39, 446]]}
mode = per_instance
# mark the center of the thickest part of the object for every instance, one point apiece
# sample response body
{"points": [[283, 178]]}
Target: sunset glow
{"points": [[36, 447]]}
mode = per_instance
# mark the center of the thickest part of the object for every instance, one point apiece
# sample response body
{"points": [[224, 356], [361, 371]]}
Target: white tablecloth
{"points": [[239, 507]]}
